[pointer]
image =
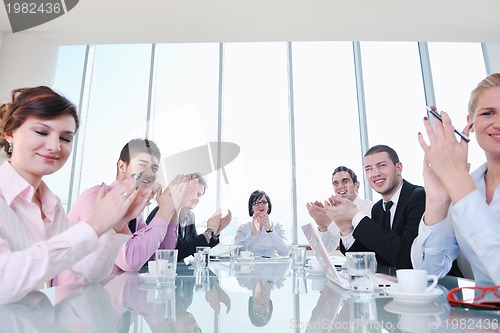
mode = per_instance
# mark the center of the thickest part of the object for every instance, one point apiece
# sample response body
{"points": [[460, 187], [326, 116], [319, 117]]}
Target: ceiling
{"points": [[161, 21]]}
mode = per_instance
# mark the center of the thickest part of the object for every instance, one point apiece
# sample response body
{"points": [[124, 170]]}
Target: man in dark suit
{"points": [[389, 232], [187, 236]]}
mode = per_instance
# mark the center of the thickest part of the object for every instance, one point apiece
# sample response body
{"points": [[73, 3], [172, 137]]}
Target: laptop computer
{"points": [[328, 267]]}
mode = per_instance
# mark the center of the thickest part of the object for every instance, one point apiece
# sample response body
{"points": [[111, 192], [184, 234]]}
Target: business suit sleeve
{"points": [[188, 247], [393, 247]]}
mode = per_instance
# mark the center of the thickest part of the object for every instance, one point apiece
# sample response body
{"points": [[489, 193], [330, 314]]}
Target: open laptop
{"points": [[328, 267]]}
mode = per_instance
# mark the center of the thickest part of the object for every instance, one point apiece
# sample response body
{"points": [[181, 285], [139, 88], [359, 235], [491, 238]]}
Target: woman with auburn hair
{"points": [[37, 128]]}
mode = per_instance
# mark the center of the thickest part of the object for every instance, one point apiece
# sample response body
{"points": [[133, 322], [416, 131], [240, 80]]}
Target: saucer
{"points": [[413, 309], [240, 259], [149, 278], [409, 298], [314, 272]]}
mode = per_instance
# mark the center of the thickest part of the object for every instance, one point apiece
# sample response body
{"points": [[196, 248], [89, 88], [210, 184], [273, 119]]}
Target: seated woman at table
{"points": [[462, 211], [260, 236], [36, 244]]}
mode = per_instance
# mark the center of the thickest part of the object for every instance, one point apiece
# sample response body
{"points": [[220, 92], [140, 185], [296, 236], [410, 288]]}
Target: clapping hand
{"points": [[260, 219], [112, 208], [317, 212], [214, 221], [224, 222], [446, 171], [342, 211]]}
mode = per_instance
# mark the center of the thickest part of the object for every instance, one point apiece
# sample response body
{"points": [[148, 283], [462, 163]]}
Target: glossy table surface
{"points": [[234, 297]]}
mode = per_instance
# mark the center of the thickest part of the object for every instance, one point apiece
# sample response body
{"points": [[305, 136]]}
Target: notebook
{"points": [[328, 267]]}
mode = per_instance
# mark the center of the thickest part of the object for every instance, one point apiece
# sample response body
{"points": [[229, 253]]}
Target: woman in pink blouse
{"points": [[36, 131]]}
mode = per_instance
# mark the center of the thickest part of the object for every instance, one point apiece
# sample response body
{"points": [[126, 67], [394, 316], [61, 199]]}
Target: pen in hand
{"points": [[432, 110]]}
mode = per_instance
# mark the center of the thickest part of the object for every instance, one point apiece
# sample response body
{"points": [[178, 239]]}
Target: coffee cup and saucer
{"points": [[412, 288], [246, 256]]}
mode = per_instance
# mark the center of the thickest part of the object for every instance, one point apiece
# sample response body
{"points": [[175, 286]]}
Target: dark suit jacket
{"points": [[187, 244], [392, 247]]}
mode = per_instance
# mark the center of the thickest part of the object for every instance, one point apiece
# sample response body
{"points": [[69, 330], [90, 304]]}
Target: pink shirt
{"points": [[142, 244], [34, 251]]}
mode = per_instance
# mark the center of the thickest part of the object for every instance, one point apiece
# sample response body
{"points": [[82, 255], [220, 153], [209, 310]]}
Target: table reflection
{"points": [[261, 279], [267, 298]]}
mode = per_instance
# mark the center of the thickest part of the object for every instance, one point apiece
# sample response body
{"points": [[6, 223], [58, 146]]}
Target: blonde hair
{"points": [[490, 81]]}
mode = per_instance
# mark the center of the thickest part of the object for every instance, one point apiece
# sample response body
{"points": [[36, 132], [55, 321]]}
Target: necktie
{"points": [[132, 225], [387, 215]]}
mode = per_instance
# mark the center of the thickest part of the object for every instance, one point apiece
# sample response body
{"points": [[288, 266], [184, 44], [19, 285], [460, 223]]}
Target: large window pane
{"points": [[395, 103], [185, 112], [256, 117], [68, 82], [326, 120], [456, 70], [117, 110]]}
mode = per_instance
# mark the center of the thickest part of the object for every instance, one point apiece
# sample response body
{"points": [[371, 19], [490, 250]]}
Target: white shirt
{"points": [[473, 227], [331, 237], [33, 251], [264, 243]]}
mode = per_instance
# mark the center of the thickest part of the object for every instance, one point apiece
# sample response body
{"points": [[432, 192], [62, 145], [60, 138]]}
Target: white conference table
{"points": [[223, 302]]}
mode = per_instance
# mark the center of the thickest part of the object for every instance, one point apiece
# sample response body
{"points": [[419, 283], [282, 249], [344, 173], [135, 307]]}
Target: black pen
{"points": [[438, 116]]}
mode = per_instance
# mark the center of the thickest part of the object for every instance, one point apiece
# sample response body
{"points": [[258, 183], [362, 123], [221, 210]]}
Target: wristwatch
{"points": [[210, 232]]}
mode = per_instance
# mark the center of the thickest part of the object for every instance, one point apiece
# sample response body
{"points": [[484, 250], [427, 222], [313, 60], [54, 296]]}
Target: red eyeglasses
{"points": [[485, 298]]}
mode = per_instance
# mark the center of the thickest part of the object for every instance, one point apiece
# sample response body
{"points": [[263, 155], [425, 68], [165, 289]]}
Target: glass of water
{"points": [[166, 266], [361, 268]]}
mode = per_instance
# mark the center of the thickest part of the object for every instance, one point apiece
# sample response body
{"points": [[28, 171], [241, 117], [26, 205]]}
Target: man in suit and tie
{"points": [[394, 219]]}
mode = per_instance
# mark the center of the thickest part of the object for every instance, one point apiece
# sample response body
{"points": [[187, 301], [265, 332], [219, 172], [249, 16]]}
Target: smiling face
{"points": [[41, 146], [142, 162], [384, 176], [486, 120], [344, 186], [260, 205]]}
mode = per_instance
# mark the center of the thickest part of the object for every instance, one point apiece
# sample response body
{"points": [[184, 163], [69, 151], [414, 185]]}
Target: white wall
{"points": [[26, 60]]}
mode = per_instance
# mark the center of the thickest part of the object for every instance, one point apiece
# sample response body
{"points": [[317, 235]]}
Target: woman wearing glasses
{"points": [[462, 210], [261, 236]]}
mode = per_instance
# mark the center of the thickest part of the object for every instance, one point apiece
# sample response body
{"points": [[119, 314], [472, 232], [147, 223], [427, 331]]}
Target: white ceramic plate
{"points": [[148, 277], [412, 299]]}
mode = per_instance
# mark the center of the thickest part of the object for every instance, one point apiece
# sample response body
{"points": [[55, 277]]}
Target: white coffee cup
{"points": [[152, 268], [415, 281], [246, 254]]}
